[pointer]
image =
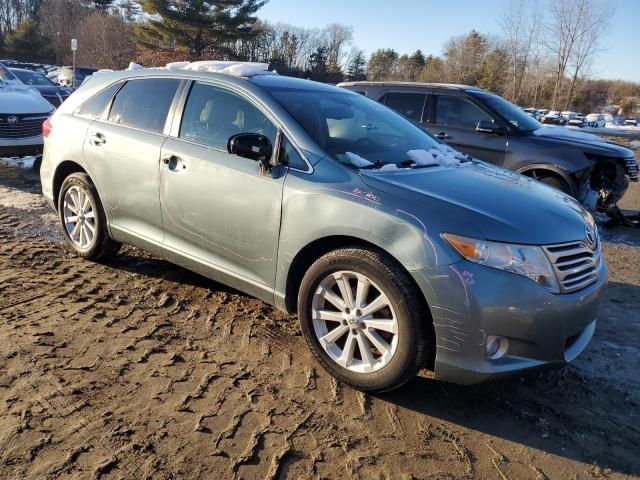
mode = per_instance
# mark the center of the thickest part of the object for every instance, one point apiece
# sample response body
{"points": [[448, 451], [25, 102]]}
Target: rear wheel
{"points": [[83, 219], [360, 315]]}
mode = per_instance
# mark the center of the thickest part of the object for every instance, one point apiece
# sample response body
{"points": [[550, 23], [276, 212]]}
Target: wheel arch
{"points": [[315, 249], [549, 170], [63, 170]]}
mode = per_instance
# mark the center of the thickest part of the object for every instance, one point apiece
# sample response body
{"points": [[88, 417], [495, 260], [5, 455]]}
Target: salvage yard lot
{"points": [[136, 368]]}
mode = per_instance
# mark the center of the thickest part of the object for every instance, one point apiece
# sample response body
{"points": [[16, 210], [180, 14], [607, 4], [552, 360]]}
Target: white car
{"points": [[22, 112], [596, 120]]}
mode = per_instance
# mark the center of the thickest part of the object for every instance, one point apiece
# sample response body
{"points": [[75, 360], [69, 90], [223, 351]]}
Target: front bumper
{"points": [[470, 302], [21, 146]]}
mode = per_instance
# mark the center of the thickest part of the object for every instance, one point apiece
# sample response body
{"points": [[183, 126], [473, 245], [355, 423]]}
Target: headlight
{"points": [[527, 260]]}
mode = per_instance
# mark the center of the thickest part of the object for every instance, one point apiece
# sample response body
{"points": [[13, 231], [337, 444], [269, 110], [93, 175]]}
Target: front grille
{"points": [[631, 166], [24, 126], [576, 265]]}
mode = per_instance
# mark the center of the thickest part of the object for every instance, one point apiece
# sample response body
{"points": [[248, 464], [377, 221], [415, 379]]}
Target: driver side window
{"points": [[212, 115], [458, 112]]}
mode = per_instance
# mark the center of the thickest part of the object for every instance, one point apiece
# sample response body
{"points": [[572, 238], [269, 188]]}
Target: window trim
{"points": [[281, 130], [434, 110], [104, 116], [76, 111]]}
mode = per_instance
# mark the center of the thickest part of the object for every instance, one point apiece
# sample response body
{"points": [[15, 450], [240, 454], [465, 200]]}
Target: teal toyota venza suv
{"points": [[395, 251]]}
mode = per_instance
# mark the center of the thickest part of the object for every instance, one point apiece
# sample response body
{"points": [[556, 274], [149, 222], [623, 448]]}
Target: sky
{"points": [[406, 25]]}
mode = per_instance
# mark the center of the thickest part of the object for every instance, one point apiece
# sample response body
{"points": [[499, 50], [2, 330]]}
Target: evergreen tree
{"points": [[491, 73], [355, 69], [26, 43], [198, 26]]}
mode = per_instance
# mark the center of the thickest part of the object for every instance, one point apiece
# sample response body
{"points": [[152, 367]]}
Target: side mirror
{"points": [[253, 146], [485, 126]]}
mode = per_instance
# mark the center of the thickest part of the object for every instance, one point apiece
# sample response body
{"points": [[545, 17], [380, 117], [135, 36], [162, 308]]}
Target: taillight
{"points": [[46, 128]]}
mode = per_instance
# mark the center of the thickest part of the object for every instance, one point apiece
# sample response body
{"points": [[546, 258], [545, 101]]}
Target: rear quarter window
{"points": [[93, 107]]}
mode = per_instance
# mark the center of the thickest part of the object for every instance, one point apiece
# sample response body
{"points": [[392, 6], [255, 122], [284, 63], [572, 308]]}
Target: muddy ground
{"points": [[135, 368]]}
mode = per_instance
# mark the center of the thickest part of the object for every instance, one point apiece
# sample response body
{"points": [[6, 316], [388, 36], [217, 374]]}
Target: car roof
{"points": [[450, 86], [14, 69]]}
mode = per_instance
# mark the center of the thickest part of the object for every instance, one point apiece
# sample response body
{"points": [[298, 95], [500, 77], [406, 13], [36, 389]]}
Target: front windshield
{"points": [[510, 113], [354, 129], [32, 78]]}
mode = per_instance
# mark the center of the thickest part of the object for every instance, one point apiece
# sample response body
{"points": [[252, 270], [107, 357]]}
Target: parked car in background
{"points": [[65, 75], [22, 113], [535, 113], [242, 179], [568, 116], [34, 67], [554, 117], [596, 120], [631, 121], [577, 121], [54, 94], [490, 128]]}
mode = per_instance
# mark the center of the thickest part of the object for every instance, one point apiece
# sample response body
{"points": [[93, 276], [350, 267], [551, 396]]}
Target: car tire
{"points": [[82, 218], [557, 183], [374, 366]]}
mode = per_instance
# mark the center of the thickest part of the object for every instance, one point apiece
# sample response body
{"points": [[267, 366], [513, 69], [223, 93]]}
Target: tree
{"points": [[198, 26], [105, 41], [102, 5], [28, 44], [356, 66], [463, 56], [382, 64], [491, 74]]}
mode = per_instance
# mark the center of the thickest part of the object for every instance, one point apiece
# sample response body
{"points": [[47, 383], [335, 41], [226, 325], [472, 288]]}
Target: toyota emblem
{"points": [[12, 120], [590, 234]]}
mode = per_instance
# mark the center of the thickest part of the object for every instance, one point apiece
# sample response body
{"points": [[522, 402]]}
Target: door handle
{"points": [[173, 162], [97, 139], [443, 136]]}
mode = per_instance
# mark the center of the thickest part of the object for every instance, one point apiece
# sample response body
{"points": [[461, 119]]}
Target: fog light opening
{"points": [[497, 347]]}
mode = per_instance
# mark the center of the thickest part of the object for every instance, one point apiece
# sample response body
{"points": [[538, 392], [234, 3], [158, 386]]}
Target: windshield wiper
{"points": [[374, 165]]}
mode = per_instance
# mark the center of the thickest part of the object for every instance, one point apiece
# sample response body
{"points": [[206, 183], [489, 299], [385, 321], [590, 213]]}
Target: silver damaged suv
{"points": [[396, 252]]}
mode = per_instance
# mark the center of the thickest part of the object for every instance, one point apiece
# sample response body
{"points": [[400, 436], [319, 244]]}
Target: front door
{"points": [[122, 149], [455, 120], [221, 214]]}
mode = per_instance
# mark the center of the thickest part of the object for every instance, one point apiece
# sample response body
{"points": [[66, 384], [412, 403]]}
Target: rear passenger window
{"points": [[213, 115], [290, 156], [144, 103], [93, 107], [459, 112], [408, 104]]}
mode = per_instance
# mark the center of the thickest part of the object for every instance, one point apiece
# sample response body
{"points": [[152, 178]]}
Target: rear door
{"points": [[221, 214], [122, 148], [454, 119]]}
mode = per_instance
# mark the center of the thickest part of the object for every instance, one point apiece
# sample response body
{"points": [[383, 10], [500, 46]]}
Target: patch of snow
{"points": [[239, 69], [421, 157], [23, 162], [357, 160], [389, 167], [635, 144], [135, 66], [177, 65]]}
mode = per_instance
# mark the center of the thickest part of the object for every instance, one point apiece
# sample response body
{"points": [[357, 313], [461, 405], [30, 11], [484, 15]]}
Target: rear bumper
{"points": [[470, 302]]}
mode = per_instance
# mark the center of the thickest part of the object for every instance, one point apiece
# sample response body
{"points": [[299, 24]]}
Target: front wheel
{"points": [[362, 319], [83, 219]]}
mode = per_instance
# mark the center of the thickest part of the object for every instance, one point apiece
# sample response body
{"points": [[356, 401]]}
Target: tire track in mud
{"points": [[135, 368]]}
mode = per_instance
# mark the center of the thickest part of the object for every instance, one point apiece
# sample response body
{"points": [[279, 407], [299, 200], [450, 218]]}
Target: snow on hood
{"points": [[18, 98], [439, 155]]}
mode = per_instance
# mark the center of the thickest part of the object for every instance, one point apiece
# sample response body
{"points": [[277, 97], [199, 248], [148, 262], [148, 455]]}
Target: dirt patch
{"points": [[136, 368]]}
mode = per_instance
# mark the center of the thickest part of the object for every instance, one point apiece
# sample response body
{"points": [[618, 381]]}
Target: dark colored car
{"points": [[54, 94], [34, 67], [488, 127], [553, 117]]}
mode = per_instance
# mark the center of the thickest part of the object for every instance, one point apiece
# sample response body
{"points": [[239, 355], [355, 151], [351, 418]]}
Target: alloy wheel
{"points": [[354, 321], [79, 217]]}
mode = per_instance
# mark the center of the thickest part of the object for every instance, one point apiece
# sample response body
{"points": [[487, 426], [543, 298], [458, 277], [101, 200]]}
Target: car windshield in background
{"points": [[32, 78], [5, 74], [512, 114], [353, 129]]}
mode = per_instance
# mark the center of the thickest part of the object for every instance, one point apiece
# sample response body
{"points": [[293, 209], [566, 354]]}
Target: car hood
{"points": [[476, 197], [19, 99], [50, 90], [588, 142]]}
